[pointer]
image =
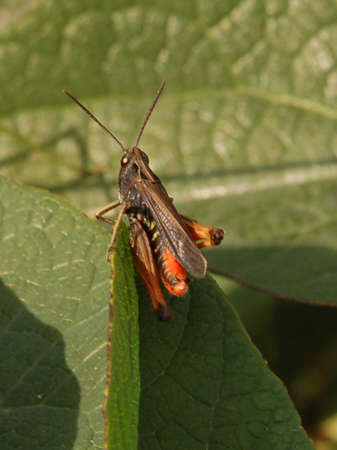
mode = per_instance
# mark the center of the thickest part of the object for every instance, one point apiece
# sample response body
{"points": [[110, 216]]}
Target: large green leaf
{"points": [[54, 296], [204, 385]]}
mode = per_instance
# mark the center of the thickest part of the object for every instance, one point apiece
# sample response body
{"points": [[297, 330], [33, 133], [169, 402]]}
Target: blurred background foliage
{"points": [[244, 137]]}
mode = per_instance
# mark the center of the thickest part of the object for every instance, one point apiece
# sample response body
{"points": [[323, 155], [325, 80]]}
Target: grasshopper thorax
{"points": [[134, 168]]}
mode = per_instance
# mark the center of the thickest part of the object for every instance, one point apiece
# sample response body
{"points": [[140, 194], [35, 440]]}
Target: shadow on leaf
{"points": [[40, 394]]}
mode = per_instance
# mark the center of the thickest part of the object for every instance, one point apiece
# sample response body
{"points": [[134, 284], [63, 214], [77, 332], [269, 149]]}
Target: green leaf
{"points": [[279, 246], [304, 273], [299, 341], [204, 385], [203, 382], [122, 401], [54, 294], [246, 123]]}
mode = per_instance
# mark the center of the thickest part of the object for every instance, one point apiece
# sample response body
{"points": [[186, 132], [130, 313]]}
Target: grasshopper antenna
{"points": [[150, 112], [96, 120]]}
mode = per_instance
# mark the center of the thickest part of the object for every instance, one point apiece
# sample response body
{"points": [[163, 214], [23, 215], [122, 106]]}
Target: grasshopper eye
{"points": [[124, 161]]}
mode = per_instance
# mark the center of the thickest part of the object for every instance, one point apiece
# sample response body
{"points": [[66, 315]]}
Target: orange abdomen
{"points": [[172, 273]]}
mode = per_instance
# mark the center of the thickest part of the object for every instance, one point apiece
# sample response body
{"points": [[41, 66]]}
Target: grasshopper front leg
{"points": [[116, 223]]}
